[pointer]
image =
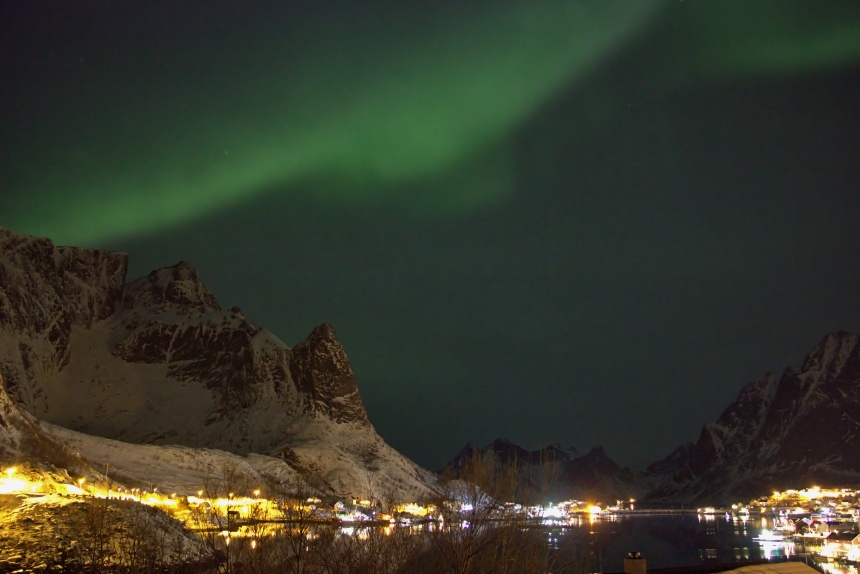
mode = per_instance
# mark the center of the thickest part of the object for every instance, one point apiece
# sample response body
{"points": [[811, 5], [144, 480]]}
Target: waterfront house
{"points": [[842, 544], [819, 527]]}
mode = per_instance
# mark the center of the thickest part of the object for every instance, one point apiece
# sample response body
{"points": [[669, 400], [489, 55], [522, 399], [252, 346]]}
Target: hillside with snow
{"points": [[158, 362]]}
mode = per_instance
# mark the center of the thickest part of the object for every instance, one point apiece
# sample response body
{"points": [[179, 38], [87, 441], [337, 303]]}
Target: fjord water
{"points": [[674, 541], [600, 543]]}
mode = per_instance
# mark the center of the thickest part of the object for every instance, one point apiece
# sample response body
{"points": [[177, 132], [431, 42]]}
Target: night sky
{"points": [[587, 223]]}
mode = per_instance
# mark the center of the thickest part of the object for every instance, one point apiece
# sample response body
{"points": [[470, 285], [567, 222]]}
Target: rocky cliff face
{"points": [[787, 431], [592, 477], [158, 361], [44, 292], [322, 373]]}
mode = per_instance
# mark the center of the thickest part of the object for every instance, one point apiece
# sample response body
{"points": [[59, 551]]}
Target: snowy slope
{"points": [[158, 361], [180, 469], [787, 431]]}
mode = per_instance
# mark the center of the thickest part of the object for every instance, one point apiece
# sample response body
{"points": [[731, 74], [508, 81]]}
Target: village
{"points": [[239, 514], [818, 524], [813, 522]]}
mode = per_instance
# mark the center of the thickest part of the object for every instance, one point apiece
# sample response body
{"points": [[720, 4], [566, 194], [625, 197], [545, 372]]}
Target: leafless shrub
{"points": [[482, 527], [369, 551], [485, 525], [113, 535], [95, 525]]}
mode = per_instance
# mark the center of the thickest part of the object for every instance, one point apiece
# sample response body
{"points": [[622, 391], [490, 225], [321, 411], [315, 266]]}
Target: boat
{"points": [[768, 536]]}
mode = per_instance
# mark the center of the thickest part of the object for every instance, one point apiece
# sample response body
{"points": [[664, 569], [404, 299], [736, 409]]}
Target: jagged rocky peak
{"points": [[72, 285], [177, 288], [158, 361], [837, 355], [780, 432], [320, 369]]}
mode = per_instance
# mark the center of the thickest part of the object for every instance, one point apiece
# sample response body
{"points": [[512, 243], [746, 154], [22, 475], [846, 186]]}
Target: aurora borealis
{"points": [[366, 104], [518, 215], [356, 112]]}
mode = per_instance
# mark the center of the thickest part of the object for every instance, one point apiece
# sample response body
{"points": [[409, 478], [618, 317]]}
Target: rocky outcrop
{"points": [[45, 291], [503, 451], [170, 318], [788, 431], [321, 371], [159, 361]]}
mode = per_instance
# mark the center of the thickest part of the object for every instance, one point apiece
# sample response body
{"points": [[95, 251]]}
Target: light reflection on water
{"points": [[689, 540], [666, 541]]}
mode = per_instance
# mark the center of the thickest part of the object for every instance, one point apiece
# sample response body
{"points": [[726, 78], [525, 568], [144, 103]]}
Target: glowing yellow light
{"points": [[72, 489], [10, 485], [412, 508], [11, 471], [594, 509]]}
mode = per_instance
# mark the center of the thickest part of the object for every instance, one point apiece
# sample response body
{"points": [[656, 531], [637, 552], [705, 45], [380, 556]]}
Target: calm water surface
{"points": [[665, 541], [685, 540]]}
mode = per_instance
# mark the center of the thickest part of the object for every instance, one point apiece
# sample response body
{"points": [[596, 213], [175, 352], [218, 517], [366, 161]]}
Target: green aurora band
{"points": [[420, 116]]}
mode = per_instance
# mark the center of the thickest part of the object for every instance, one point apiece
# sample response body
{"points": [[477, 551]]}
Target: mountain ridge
{"points": [[593, 476], [158, 361], [782, 431]]}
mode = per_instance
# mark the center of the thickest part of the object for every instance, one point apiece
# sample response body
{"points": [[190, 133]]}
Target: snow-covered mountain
{"points": [[593, 477], [789, 431], [158, 361], [793, 430]]}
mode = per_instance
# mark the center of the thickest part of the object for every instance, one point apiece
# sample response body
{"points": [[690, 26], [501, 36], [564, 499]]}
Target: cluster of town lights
{"points": [[11, 484], [14, 481]]}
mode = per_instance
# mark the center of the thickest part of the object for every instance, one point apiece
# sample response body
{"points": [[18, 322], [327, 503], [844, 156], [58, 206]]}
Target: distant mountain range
{"points": [[593, 476], [788, 431], [99, 365], [158, 361]]}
